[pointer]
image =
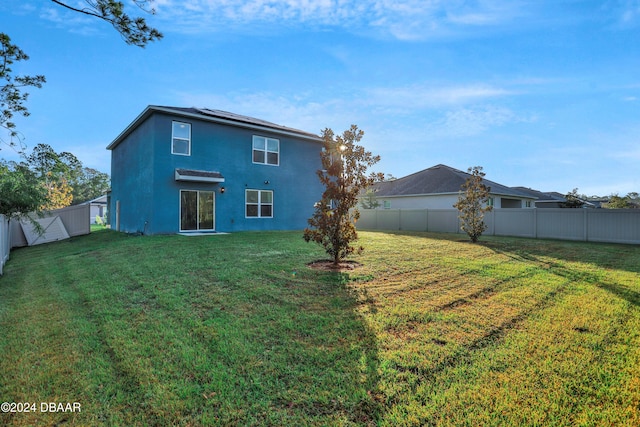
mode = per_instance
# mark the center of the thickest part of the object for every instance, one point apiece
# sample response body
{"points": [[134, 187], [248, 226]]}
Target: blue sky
{"points": [[541, 93]]}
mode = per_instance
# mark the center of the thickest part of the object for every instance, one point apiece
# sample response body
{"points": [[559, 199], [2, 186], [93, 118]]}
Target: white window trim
{"points": [[182, 139], [266, 151], [260, 204]]}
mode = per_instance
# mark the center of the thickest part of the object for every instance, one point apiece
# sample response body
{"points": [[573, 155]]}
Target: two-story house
{"points": [[200, 170]]}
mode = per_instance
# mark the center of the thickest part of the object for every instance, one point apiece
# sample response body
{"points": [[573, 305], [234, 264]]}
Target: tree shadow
{"points": [[360, 359], [558, 257], [605, 256]]}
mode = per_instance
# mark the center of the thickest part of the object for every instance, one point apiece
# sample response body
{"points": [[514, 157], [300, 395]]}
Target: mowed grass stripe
{"points": [[446, 347], [237, 330]]}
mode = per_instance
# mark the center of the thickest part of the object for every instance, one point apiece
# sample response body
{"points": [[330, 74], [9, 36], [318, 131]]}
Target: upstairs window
{"points": [[266, 151], [181, 139], [259, 204]]}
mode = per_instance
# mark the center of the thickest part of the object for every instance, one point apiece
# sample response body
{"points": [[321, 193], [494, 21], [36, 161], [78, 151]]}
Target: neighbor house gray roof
{"points": [[542, 196], [439, 179], [217, 116], [550, 196]]}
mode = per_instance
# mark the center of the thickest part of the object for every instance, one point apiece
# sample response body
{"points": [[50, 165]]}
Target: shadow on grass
{"points": [[241, 338], [356, 358], [604, 256], [559, 256]]}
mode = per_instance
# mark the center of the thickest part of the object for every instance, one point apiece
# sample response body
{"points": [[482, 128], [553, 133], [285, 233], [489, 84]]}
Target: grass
{"points": [[236, 330]]}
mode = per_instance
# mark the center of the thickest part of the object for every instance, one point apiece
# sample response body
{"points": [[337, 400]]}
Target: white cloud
{"points": [[374, 109], [630, 12], [429, 96], [402, 19], [465, 122], [298, 111]]}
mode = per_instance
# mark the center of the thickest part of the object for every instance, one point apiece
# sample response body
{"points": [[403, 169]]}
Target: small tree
{"points": [[343, 174], [472, 204], [572, 200], [618, 202], [369, 200]]}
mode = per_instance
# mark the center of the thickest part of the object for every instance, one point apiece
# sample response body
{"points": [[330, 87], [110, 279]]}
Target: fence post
{"points": [[585, 224], [5, 241], [426, 220], [493, 221]]}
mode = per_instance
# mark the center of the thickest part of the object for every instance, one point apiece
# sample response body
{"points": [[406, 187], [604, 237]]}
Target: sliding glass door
{"points": [[197, 210]]}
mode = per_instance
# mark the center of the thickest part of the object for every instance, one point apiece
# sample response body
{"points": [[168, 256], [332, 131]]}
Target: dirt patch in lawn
{"points": [[328, 265]]}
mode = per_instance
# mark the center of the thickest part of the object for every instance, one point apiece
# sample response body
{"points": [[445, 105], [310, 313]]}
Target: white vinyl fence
{"points": [[76, 220], [589, 225], [5, 241]]}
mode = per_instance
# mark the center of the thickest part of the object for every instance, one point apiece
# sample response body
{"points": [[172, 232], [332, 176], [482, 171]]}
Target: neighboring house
{"points": [[190, 170], [98, 207], [438, 187], [599, 202], [550, 199]]}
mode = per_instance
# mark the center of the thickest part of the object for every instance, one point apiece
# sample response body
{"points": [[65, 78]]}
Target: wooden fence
{"points": [[589, 225]]}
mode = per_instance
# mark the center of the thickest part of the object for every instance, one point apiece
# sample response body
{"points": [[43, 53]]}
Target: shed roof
{"points": [[438, 179], [217, 116]]}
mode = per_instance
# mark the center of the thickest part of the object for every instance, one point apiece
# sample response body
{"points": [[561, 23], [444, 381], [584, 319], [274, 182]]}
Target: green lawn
{"points": [[237, 330]]}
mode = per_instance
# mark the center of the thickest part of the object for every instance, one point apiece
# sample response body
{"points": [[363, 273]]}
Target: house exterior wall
{"points": [[143, 176], [132, 179], [96, 210]]}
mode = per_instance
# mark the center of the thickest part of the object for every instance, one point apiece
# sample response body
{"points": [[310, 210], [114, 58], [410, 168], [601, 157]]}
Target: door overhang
{"points": [[192, 175]]}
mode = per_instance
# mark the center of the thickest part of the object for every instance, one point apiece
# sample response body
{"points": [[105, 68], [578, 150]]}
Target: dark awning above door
{"points": [[198, 176]]}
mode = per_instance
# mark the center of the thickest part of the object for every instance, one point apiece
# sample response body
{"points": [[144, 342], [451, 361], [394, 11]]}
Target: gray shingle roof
{"points": [[542, 196], [439, 179], [218, 116]]}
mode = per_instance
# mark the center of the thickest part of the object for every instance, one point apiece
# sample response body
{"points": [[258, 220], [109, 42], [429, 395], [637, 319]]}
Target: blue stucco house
{"points": [[199, 170]]}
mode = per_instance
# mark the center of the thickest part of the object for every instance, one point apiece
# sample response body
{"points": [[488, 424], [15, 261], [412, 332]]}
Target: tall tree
{"points": [[472, 204], [134, 30], [20, 190], [56, 172], [88, 185], [18, 197], [344, 177], [12, 97]]}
